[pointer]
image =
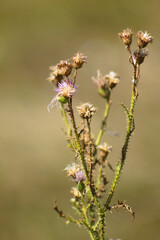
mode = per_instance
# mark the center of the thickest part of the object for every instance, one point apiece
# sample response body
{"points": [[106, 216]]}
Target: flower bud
{"points": [[62, 99], [81, 187]]}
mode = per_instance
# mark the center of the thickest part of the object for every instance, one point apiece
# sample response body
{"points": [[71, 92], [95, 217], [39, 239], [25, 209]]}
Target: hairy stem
{"points": [[103, 123], [130, 128]]}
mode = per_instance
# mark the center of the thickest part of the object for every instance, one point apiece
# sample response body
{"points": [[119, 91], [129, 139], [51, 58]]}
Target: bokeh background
{"points": [[35, 34]]}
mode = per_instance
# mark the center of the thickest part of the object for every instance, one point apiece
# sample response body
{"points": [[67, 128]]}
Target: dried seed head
{"points": [[126, 36], [58, 72], [106, 83], [72, 169], [75, 192], [66, 67], [66, 89], [143, 39], [105, 149], [86, 110], [78, 60], [56, 75], [112, 79], [102, 85], [139, 56]]}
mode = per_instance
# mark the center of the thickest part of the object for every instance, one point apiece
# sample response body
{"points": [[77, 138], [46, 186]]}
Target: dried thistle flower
{"points": [[102, 85], [78, 60], [66, 67], [59, 71], [86, 110], [126, 36], [72, 169], [143, 39], [105, 149], [75, 192], [139, 56], [112, 79], [55, 75], [106, 83]]}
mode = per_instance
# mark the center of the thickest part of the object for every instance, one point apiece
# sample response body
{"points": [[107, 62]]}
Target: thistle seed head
{"points": [[86, 110], [143, 39], [126, 36], [112, 79], [105, 149], [78, 60], [59, 71]]}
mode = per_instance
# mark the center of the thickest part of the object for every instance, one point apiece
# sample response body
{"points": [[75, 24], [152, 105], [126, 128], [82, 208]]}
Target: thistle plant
{"points": [[91, 194]]}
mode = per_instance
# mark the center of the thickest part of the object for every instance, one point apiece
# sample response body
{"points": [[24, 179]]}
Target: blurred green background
{"points": [[34, 35]]}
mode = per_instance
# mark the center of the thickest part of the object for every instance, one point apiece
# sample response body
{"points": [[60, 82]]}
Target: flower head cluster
{"points": [[61, 70], [78, 60], [143, 39], [126, 36], [86, 110], [106, 83]]}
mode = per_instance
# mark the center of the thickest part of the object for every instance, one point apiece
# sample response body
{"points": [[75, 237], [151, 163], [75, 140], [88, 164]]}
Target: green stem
{"points": [[79, 149], [65, 119], [84, 209], [130, 128], [103, 123]]}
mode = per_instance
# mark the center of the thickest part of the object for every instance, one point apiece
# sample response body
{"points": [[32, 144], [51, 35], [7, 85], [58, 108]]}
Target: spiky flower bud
{"points": [[86, 110], [105, 149], [139, 56], [143, 39], [126, 36], [78, 60]]}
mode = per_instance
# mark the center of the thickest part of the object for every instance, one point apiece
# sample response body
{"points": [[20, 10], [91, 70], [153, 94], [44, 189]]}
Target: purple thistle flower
{"points": [[66, 89], [79, 176]]}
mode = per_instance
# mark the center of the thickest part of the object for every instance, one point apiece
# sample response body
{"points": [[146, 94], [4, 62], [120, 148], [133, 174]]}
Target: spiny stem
{"points": [[79, 149], [103, 123], [90, 153], [124, 148]]}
